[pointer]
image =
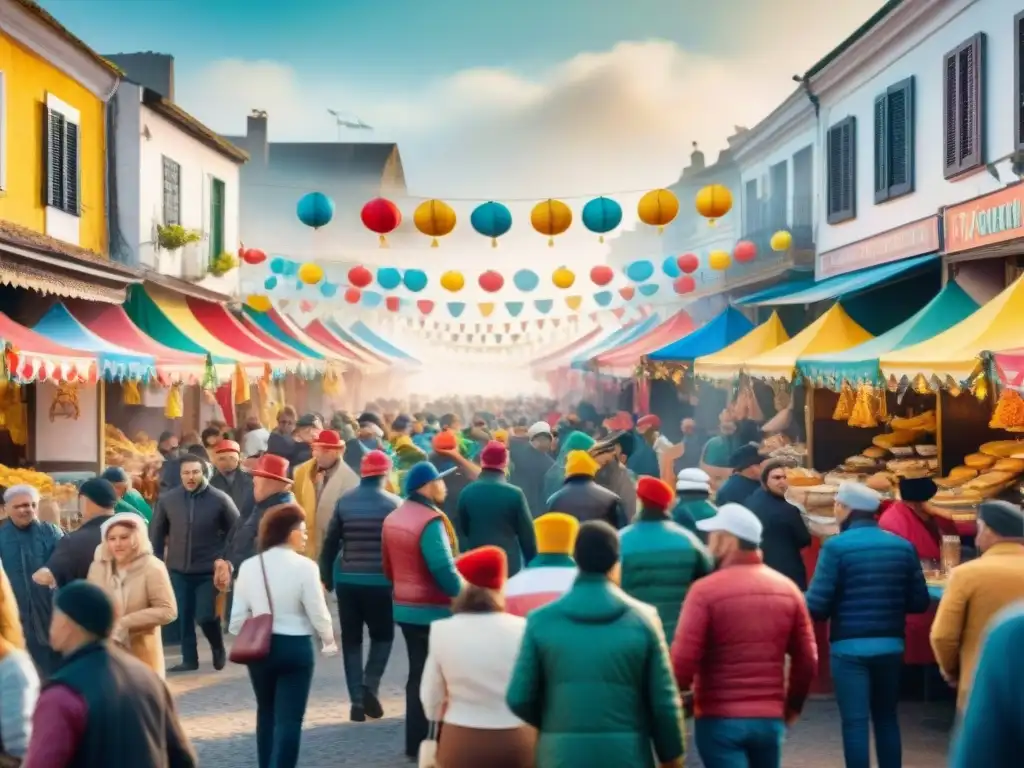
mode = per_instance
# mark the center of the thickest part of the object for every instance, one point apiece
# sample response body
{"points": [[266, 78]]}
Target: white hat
{"points": [[735, 519], [858, 497], [693, 479], [539, 428]]}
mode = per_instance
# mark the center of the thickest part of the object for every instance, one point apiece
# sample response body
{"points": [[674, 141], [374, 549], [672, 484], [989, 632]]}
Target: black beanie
{"points": [[100, 492], [88, 606], [597, 547], [1002, 518]]}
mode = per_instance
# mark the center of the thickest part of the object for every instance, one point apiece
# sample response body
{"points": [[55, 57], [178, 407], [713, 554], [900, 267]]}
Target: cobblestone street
{"points": [[219, 713]]}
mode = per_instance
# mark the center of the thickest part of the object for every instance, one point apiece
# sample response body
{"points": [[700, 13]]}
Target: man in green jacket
{"points": [[693, 501], [129, 500], [660, 559], [493, 511], [605, 655]]}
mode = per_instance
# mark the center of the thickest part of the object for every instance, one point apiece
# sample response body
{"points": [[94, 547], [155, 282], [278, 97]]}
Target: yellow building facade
{"points": [[53, 135]]}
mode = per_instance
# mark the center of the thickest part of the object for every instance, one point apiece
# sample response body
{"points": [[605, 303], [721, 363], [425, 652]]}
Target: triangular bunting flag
{"points": [[497, 338], [619, 312], [393, 303], [456, 308], [649, 289], [508, 327], [486, 308], [523, 325], [514, 308], [544, 305], [573, 302], [603, 298], [490, 328], [424, 306], [423, 323], [462, 327], [627, 292], [540, 323], [515, 337], [555, 321], [593, 317]]}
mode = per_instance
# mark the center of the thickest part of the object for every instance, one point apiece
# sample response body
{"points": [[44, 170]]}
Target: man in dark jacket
{"points": [[746, 476], [364, 593], [75, 552], [370, 437], [531, 459], [189, 532], [102, 707], [611, 454], [493, 511], [785, 533], [230, 478], [271, 488], [582, 497]]}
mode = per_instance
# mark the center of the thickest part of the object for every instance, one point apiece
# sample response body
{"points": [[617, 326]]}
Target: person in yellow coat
{"points": [[319, 483]]}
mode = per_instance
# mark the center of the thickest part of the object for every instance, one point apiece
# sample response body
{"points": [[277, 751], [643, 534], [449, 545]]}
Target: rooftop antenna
{"points": [[347, 120]]}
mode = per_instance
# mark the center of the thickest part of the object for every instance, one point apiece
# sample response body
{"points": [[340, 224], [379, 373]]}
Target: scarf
{"points": [[449, 529]]}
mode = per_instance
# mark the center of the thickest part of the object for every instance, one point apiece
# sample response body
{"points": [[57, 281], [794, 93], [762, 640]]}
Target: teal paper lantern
{"points": [[278, 265], [329, 290], [270, 283], [639, 271], [491, 220], [389, 278], [525, 280], [601, 215], [670, 267], [315, 210], [415, 280]]}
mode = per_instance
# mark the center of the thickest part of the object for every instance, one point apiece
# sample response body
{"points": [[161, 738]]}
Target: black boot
{"points": [[215, 637], [372, 705], [183, 667], [376, 663]]}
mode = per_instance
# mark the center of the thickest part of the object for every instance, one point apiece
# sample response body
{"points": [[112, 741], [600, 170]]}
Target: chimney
{"points": [[154, 71], [696, 159], [256, 135]]}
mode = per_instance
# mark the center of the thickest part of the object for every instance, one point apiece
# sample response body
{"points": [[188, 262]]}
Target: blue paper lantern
{"points": [[491, 220], [270, 283], [639, 271], [315, 210], [389, 278], [291, 268], [278, 265], [328, 290], [601, 215], [414, 279], [670, 267], [649, 290], [525, 280], [372, 299]]}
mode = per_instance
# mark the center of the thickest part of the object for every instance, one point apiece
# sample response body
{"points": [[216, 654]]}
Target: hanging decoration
{"points": [[551, 218], [602, 274], [453, 281], [434, 218], [415, 280], [713, 202], [278, 265], [353, 295], [360, 277], [491, 281], [486, 308], [456, 308], [306, 305], [382, 217], [372, 299], [328, 290], [781, 241], [688, 263], [270, 283], [393, 303], [601, 215], [311, 273], [389, 278], [425, 306], [253, 256], [526, 280], [744, 252], [315, 210], [649, 289], [563, 278], [574, 302], [543, 305], [669, 267], [514, 308], [603, 298], [639, 271], [719, 260], [658, 208], [684, 284], [491, 220], [258, 303]]}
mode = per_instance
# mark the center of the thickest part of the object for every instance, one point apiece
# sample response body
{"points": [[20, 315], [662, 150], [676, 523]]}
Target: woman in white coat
{"points": [[468, 670]]}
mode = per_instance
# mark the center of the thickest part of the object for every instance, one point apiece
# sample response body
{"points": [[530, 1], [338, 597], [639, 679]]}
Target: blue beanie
{"points": [[422, 473], [100, 492]]}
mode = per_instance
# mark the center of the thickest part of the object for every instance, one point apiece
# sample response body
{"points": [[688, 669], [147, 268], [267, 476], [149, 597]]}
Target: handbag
{"points": [[253, 641], [427, 757]]}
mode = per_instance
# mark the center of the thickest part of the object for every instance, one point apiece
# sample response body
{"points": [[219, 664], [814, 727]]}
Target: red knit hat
{"points": [[494, 456], [650, 421], [485, 567], [654, 493], [374, 464]]}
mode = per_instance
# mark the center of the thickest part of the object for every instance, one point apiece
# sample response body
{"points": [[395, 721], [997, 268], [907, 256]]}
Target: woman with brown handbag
{"points": [[278, 607]]}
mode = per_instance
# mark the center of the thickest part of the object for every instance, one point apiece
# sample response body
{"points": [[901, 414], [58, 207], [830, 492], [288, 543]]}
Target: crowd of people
{"points": [[569, 587]]}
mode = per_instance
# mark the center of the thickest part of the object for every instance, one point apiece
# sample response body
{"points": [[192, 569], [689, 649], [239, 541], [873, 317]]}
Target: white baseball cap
{"points": [[693, 479], [735, 519], [539, 428]]}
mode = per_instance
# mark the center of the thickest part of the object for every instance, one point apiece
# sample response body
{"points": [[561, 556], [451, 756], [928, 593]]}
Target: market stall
{"points": [[724, 329], [622, 360], [727, 363]]}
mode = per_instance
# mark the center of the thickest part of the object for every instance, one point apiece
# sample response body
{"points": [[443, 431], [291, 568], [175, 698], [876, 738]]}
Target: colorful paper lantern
{"points": [[381, 216], [393, 303], [781, 241], [491, 220], [491, 281], [258, 303], [270, 283], [602, 274], [574, 302], [627, 292], [360, 277], [525, 280], [601, 215], [563, 278], [453, 281], [306, 305], [389, 278], [415, 280], [688, 263], [669, 267], [744, 252], [278, 265], [638, 271], [315, 210], [713, 202], [603, 298], [658, 208], [434, 218], [253, 256], [719, 260], [551, 218], [328, 290], [311, 273], [649, 289], [425, 306], [353, 295], [684, 284], [372, 299]]}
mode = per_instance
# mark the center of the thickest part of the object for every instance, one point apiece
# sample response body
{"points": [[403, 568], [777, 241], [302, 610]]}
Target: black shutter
{"points": [[1018, 78], [963, 107], [53, 158], [842, 171], [950, 111], [881, 149], [900, 112], [72, 178], [850, 167]]}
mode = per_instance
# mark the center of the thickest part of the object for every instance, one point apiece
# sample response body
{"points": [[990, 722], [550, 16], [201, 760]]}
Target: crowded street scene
{"points": [[331, 436]]}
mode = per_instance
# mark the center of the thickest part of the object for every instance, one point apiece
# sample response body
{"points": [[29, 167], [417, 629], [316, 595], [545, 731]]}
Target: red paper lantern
{"points": [[685, 284], [360, 277], [253, 256], [353, 295], [601, 275], [382, 216], [627, 292], [425, 306], [688, 263], [744, 252], [392, 303], [491, 281]]}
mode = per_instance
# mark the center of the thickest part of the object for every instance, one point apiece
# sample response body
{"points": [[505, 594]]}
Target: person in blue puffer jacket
{"points": [[866, 582]]}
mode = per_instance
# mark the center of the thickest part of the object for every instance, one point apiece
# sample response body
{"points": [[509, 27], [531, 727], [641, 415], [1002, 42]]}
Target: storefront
{"points": [[984, 240], [914, 239]]}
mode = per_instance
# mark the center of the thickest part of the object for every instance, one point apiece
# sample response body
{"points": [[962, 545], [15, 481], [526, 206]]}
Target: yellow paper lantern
{"points": [[259, 303], [781, 241], [563, 278], [719, 260], [311, 274], [713, 202], [175, 406], [658, 208], [453, 281], [434, 218], [551, 218]]}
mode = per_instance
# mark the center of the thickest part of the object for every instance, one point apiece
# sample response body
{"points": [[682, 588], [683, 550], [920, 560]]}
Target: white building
{"points": [[166, 169]]}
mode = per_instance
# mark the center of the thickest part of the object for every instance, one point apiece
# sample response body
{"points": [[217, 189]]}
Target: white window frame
{"points": [[60, 224]]}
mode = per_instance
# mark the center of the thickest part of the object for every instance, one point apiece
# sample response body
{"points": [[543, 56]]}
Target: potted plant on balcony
{"points": [[174, 236], [223, 264]]}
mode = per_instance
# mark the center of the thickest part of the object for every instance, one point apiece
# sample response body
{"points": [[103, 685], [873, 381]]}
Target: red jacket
{"points": [[736, 628]]}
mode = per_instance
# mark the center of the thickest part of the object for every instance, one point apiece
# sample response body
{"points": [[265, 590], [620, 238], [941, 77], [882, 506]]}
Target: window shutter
{"points": [[969, 76], [53, 193], [849, 186], [1018, 78], [72, 201], [881, 149], [834, 174], [900, 110], [950, 110]]}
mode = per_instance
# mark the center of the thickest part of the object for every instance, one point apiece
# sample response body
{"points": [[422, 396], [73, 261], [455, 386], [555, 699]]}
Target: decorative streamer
{"points": [[574, 302], [389, 278], [649, 289], [456, 308], [486, 308], [603, 298], [514, 308], [372, 299], [544, 305]]}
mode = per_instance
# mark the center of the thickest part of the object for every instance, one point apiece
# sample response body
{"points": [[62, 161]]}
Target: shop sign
{"points": [[915, 239], [988, 220]]}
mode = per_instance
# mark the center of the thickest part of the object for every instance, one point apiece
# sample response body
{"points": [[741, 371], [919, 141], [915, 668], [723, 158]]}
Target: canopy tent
{"points": [[726, 364], [843, 286], [281, 329], [778, 289], [954, 353], [567, 350], [833, 331], [31, 356], [724, 329], [111, 322], [321, 334], [362, 347], [859, 364], [624, 335], [362, 332], [227, 328], [626, 356], [115, 362]]}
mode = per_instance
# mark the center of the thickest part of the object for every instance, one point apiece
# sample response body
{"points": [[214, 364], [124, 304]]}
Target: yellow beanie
{"points": [[580, 463], [556, 533], [501, 435]]}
